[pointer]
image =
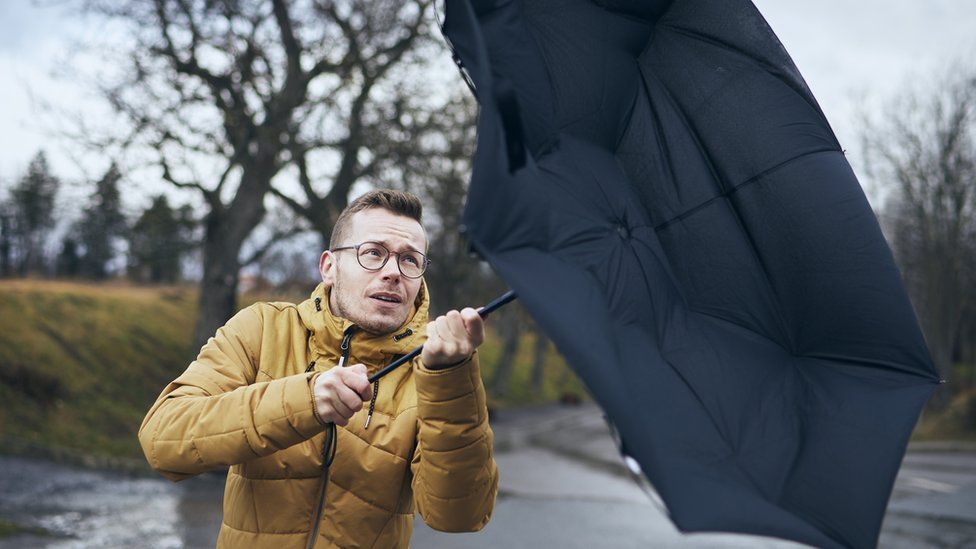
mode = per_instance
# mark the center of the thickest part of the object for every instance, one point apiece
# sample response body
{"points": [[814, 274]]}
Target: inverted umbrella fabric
{"points": [[660, 187]]}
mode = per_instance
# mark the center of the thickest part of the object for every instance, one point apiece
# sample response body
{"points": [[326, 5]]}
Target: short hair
{"points": [[397, 202]]}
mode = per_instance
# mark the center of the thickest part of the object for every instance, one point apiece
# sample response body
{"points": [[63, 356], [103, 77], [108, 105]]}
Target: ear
{"points": [[327, 268]]}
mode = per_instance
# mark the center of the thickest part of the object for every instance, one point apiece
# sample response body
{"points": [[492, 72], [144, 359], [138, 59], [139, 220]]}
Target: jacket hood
{"points": [[327, 330]]}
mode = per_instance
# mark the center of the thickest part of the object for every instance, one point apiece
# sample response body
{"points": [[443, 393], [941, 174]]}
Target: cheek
{"points": [[413, 290]]}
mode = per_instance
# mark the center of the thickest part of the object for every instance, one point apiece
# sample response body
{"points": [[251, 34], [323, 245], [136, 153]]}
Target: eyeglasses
{"points": [[373, 256]]}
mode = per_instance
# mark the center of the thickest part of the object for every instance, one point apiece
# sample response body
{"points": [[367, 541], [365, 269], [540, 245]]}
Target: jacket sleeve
{"points": [[455, 479], [215, 414]]}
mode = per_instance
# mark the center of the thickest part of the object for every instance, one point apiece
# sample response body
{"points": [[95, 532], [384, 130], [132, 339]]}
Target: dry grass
{"points": [[81, 363]]}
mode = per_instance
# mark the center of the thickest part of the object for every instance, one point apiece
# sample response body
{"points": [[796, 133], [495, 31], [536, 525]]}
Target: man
{"points": [[262, 392]]}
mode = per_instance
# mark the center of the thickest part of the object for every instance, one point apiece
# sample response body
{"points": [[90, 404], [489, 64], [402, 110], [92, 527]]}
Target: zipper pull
{"points": [[372, 403], [311, 365], [344, 348]]}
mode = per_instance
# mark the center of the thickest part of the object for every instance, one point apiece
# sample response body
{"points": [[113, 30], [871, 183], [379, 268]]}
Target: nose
{"points": [[391, 271]]}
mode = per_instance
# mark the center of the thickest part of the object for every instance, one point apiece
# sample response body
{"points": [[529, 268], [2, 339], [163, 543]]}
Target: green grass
{"points": [[558, 379], [957, 421], [80, 364]]}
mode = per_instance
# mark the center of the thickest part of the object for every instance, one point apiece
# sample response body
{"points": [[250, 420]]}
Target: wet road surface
{"points": [[562, 485]]}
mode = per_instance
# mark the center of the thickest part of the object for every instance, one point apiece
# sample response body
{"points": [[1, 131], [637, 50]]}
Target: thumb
{"points": [[358, 381]]}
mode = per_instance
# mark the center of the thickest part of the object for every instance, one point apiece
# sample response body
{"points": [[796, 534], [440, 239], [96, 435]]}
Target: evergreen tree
{"points": [[69, 263], [32, 216], [101, 226], [6, 239], [158, 241]]}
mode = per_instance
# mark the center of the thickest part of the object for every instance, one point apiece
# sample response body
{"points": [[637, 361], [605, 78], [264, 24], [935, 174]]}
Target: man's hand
{"points": [[341, 392], [452, 338]]}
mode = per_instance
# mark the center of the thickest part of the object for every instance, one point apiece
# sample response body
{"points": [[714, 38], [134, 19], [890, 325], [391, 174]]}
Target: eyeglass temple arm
{"points": [[503, 299]]}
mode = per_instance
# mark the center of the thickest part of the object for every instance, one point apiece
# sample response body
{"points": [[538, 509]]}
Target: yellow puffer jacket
{"points": [[246, 402]]}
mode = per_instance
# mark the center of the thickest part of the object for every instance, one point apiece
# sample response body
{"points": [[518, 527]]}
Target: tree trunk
{"points": [[5, 245], [226, 230], [218, 289], [540, 351], [940, 323], [510, 326]]}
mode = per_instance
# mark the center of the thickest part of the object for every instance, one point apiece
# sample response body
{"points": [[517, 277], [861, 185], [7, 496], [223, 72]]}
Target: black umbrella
{"points": [[660, 187]]}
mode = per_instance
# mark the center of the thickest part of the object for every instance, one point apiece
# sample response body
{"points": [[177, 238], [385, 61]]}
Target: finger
{"points": [[449, 342], [456, 326], [350, 400], [356, 379], [339, 408], [474, 324], [434, 338], [367, 394]]}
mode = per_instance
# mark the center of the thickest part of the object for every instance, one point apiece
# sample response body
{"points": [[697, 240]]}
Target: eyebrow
{"points": [[389, 247]]}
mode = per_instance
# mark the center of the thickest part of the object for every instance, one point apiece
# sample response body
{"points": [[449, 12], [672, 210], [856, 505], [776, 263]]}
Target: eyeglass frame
{"points": [[389, 253]]}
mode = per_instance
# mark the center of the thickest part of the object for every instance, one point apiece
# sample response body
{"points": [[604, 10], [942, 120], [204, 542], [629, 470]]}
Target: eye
{"points": [[371, 251], [412, 259]]}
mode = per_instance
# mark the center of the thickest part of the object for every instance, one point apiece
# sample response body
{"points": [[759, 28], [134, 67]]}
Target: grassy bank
{"points": [[957, 421], [80, 364]]}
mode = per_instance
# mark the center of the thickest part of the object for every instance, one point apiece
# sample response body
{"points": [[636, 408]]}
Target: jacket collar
{"points": [[327, 330]]}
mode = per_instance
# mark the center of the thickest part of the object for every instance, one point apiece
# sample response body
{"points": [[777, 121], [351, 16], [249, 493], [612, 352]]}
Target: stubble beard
{"points": [[341, 308]]}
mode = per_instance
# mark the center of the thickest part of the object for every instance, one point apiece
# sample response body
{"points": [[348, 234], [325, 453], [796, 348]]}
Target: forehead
{"points": [[384, 226]]}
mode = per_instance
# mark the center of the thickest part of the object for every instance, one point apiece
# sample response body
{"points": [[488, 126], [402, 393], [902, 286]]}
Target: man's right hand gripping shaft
{"points": [[340, 392]]}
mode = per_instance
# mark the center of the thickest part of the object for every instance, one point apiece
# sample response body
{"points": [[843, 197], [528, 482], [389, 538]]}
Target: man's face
{"points": [[380, 301]]}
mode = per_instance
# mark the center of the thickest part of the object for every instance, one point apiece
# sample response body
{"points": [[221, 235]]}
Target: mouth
{"points": [[387, 298]]}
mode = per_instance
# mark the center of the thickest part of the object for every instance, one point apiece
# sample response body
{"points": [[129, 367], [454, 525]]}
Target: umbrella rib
{"points": [[693, 133]]}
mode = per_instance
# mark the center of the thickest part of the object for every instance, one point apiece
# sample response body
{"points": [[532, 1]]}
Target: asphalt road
{"points": [[562, 485]]}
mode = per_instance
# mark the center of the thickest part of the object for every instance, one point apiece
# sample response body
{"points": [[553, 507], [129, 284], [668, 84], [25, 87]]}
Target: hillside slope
{"points": [[80, 364]]}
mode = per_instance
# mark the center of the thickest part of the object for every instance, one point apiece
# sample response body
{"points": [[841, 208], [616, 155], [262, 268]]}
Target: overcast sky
{"points": [[846, 50]]}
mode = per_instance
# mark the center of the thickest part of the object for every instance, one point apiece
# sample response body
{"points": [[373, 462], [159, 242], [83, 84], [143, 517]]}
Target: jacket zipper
{"points": [[328, 448], [376, 384]]}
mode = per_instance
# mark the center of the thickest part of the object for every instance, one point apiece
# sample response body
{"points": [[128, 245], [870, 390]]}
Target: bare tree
{"points": [[437, 167], [382, 115], [925, 149], [510, 325], [540, 352], [222, 97]]}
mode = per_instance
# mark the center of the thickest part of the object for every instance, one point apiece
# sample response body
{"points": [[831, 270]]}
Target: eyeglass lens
{"points": [[373, 256]]}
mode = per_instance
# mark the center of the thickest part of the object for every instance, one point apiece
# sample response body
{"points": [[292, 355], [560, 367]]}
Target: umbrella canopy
{"points": [[658, 184]]}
